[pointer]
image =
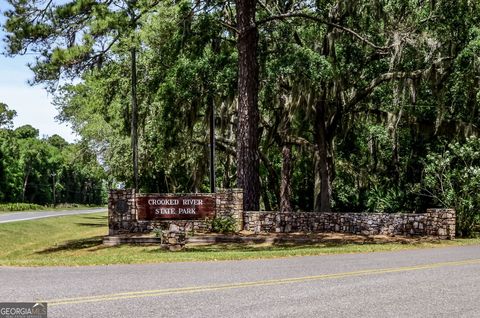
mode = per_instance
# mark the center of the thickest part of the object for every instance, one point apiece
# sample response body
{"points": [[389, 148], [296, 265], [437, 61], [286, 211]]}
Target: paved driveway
{"points": [[24, 216]]}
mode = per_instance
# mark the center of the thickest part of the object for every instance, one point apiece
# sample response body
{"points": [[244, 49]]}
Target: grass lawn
{"points": [[77, 240]]}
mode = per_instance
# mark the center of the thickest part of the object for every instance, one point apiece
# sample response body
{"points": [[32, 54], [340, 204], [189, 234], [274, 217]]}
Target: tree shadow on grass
{"points": [[326, 241], [97, 221], [92, 224], [96, 218], [237, 248], [74, 245], [91, 217]]}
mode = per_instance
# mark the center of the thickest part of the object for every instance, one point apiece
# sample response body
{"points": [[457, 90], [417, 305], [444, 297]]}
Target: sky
{"points": [[32, 103]]}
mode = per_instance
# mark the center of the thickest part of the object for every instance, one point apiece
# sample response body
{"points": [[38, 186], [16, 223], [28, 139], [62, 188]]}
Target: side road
{"points": [[24, 216]]}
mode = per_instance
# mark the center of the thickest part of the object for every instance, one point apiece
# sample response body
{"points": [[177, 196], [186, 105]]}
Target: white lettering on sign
{"points": [[193, 202], [162, 202], [165, 211], [185, 207], [186, 211]]}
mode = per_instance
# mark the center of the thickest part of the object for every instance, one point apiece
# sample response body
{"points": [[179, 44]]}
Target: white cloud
{"points": [[34, 107], [32, 103]]}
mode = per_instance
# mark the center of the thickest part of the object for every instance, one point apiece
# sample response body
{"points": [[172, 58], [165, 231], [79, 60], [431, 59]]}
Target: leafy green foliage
{"points": [[452, 178], [32, 169], [224, 224], [6, 116], [387, 83], [20, 207]]}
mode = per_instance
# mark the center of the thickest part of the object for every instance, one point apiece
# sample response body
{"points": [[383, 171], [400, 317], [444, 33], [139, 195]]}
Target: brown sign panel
{"points": [[182, 207]]}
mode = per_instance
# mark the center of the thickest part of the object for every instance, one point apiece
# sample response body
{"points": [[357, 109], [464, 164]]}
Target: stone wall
{"points": [[435, 222], [123, 218]]}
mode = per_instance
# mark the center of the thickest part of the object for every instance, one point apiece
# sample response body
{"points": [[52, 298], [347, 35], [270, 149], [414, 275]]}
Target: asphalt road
{"points": [[25, 216], [441, 282]]}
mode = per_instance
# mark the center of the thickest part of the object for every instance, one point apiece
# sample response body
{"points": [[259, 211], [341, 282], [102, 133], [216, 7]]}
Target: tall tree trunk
{"points": [[323, 163], [266, 200], [248, 116], [395, 149], [134, 133], [272, 181], [317, 188], [286, 172], [286, 183], [226, 173], [393, 126]]}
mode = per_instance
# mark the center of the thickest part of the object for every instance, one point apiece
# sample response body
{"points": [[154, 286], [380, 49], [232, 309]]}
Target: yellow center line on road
{"points": [[197, 289]]}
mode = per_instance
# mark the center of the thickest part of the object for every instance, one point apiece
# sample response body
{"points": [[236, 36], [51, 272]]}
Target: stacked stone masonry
{"points": [[122, 212], [229, 203], [435, 222], [174, 239]]}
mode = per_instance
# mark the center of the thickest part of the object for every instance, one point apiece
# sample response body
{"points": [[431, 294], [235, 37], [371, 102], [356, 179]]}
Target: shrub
{"points": [[452, 179], [224, 224], [158, 232], [20, 207]]}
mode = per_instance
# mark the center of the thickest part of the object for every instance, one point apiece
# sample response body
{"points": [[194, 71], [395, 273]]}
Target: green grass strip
{"points": [[77, 240]]}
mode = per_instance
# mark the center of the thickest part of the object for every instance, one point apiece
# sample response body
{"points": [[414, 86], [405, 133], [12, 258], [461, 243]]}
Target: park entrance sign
{"points": [[175, 207], [132, 212]]}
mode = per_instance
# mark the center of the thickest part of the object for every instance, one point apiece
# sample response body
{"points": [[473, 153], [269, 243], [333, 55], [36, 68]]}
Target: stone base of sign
{"points": [[438, 223], [123, 212], [174, 239]]}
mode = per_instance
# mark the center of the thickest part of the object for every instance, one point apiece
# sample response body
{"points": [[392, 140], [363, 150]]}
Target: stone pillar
{"points": [[122, 211], [443, 221], [229, 203]]}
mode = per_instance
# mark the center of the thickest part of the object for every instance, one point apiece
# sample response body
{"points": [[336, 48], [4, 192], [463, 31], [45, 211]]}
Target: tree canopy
{"points": [[47, 170], [325, 105]]}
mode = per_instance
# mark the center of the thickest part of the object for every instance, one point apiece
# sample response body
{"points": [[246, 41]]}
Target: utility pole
{"points": [[53, 188], [134, 118], [212, 145], [134, 125]]}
